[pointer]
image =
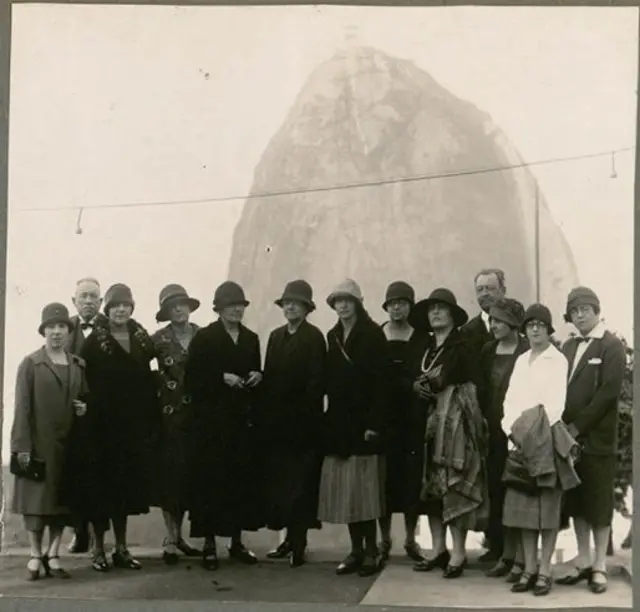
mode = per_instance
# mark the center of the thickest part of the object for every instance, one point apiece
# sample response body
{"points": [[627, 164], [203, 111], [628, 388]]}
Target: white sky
{"points": [[125, 104]]}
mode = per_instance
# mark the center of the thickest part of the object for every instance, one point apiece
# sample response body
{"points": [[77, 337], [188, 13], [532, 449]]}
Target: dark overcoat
{"points": [[174, 451], [227, 489], [123, 391], [593, 393], [476, 335], [291, 415], [42, 425], [455, 363], [358, 374]]}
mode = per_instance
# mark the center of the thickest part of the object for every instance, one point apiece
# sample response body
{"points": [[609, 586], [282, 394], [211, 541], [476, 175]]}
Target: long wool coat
{"points": [[174, 458], [291, 413], [358, 383], [227, 482], [124, 396], [42, 424]]}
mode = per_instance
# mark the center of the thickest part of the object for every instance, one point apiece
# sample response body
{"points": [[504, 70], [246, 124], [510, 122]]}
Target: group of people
{"points": [[481, 424]]}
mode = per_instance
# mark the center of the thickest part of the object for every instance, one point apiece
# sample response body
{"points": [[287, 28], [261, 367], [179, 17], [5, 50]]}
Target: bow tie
{"points": [[584, 339], [84, 325]]}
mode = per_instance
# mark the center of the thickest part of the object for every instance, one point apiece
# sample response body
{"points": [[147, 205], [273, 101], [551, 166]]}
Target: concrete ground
{"points": [[315, 583]]}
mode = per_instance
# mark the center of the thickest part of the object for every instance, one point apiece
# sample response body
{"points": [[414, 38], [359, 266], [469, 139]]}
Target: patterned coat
{"points": [[174, 458]]}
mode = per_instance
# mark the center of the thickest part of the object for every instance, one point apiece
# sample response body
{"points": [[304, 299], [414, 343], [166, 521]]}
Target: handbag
{"points": [[517, 477], [36, 470]]}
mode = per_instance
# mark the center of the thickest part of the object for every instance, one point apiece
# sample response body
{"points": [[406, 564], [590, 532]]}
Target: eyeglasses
{"points": [[536, 324]]}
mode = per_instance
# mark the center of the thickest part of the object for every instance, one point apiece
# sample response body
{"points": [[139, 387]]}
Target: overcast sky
{"points": [[111, 105]]}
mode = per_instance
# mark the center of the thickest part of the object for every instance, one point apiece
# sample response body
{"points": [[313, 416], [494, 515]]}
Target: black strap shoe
{"points": [[54, 572], [542, 586], [577, 576], [500, 569], [454, 571], [280, 552], [526, 583], [413, 552], [122, 559], [239, 552], [99, 563], [597, 588], [439, 562], [210, 559], [350, 565]]}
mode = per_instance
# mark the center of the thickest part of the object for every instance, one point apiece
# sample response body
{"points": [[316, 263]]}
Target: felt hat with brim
{"points": [[399, 290], [118, 294], [419, 319], [538, 312], [581, 296], [508, 311], [170, 296], [55, 313], [298, 291], [348, 288], [229, 294]]}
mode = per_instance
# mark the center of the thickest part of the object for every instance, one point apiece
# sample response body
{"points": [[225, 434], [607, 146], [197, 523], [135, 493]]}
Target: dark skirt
{"points": [[496, 459], [415, 504], [292, 480], [352, 489], [593, 499], [173, 464]]}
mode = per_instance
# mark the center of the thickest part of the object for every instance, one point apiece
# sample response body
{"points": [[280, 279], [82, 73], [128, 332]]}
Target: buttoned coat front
{"points": [[42, 425]]}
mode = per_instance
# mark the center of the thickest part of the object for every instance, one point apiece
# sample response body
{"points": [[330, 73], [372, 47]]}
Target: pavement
{"points": [[273, 585]]}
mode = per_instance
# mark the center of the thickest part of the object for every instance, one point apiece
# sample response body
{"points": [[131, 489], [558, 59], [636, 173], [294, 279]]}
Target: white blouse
{"points": [[543, 381]]}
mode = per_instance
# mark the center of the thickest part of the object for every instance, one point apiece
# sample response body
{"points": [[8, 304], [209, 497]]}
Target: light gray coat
{"points": [[42, 423]]}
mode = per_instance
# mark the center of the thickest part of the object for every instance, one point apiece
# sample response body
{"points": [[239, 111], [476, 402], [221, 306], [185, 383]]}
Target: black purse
{"points": [[517, 477], [36, 469]]}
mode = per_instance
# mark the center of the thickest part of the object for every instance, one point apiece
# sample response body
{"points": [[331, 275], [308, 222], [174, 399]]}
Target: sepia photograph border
{"points": [[35, 604]]}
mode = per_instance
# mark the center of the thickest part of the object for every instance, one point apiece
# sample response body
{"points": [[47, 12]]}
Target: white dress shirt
{"points": [[86, 332], [485, 319], [543, 381], [596, 332]]}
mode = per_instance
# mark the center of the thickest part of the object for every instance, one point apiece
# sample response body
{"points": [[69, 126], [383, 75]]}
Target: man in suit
{"points": [[87, 301], [490, 287], [597, 362]]}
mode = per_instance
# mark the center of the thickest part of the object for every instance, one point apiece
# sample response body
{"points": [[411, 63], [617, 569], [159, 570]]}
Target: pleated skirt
{"points": [[352, 489]]}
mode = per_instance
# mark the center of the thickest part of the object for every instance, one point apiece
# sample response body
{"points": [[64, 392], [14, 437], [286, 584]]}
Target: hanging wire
{"points": [[358, 185], [78, 221]]}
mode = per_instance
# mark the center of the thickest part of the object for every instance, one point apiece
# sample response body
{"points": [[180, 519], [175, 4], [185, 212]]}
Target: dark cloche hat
{"points": [[300, 291], [399, 290], [118, 294], [229, 294], [538, 312], [581, 296], [54, 313], [171, 294]]}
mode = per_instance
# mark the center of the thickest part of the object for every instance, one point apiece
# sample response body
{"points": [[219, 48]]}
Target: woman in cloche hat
{"points": [[496, 363], [439, 363], [539, 379], [174, 461], [120, 355], [352, 482], [398, 302], [50, 390], [293, 388], [222, 377]]}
